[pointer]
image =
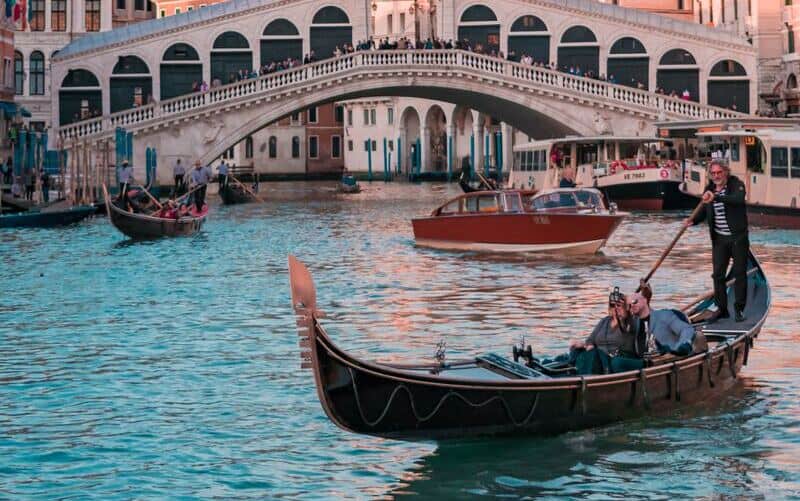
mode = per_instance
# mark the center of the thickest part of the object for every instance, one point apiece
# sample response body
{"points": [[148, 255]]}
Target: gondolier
{"points": [[201, 176], [222, 177], [125, 180], [726, 214]]}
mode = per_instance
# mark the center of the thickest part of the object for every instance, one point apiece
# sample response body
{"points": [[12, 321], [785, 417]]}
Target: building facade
{"points": [[8, 113]]}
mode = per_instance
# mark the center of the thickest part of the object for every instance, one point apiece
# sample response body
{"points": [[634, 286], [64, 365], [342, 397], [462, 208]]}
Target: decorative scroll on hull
{"points": [[489, 395]]}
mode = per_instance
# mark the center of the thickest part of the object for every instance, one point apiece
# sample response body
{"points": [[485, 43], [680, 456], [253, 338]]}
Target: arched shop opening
{"points": [[180, 70], [79, 97], [230, 54], [131, 84]]}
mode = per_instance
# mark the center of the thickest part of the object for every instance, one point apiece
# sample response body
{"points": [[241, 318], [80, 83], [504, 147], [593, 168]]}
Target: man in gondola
{"points": [[663, 331], [222, 176], [726, 214], [178, 173], [201, 176], [125, 180]]}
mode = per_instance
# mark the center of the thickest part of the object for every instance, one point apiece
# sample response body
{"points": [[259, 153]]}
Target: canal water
{"points": [[170, 369]]}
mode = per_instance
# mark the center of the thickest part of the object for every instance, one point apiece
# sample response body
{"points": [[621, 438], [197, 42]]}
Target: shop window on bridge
{"points": [[295, 147], [678, 74], [479, 28], [629, 64], [37, 73], [80, 97], [36, 15], [131, 84], [273, 147], [729, 87], [181, 70], [330, 28], [529, 37], [779, 162], [280, 41], [19, 74], [579, 52], [231, 58], [92, 15]]}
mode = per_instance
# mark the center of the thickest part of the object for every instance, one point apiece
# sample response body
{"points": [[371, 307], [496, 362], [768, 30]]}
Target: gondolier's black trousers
{"points": [[178, 184], [725, 248], [200, 197]]}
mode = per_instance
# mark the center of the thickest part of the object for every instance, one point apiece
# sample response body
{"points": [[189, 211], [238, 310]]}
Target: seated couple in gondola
{"points": [[172, 210], [630, 334]]}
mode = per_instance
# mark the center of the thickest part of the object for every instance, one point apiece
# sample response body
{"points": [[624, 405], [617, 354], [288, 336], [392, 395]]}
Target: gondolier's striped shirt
{"points": [[720, 222]]}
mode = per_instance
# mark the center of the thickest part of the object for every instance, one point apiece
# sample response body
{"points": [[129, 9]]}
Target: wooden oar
{"points": [[154, 199], [107, 201], [669, 247], [247, 189]]}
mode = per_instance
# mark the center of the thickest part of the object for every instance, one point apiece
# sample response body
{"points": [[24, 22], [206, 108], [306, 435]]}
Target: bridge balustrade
{"points": [[516, 73]]}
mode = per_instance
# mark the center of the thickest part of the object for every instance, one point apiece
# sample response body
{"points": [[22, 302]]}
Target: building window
{"points": [[373, 114], [295, 118], [92, 15], [790, 40], [680, 5], [313, 146], [349, 145], [273, 147], [349, 117], [391, 145], [780, 162], [138, 4], [58, 15], [177, 10], [19, 76], [336, 146], [121, 5], [36, 15], [248, 147], [37, 73], [163, 13], [228, 155], [189, 9], [389, 24], [366, 116], [390, 115], [312, 115], [338, 114], [402, 21], [295, 147]]}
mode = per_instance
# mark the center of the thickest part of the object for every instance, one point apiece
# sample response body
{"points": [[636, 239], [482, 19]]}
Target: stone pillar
{"points": [[48, 9], [507, 142], [477, 132], [451, 147], [78, 16], [425, 154]]}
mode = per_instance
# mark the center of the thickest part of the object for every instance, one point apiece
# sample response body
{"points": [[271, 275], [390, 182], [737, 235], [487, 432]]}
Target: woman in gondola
{"points": [[612, 346]]}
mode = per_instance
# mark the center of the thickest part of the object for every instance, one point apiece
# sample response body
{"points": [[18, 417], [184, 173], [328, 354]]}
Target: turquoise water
{"points": [[170, 369]]}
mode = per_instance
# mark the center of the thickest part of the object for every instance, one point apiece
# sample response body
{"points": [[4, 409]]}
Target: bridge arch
{"points": [[629, 62], [230, 53], [578, 48], [80, 96], [280, 40], [330, 28], [478, 23], [181, 68], [130, 83], [678, 72], [729, 86], [529, 35]]}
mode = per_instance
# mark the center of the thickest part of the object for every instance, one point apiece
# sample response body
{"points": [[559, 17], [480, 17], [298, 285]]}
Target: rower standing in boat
{"points": [[178, 172], [125, 180], [726, 214], [222, 176], [201, 176]]}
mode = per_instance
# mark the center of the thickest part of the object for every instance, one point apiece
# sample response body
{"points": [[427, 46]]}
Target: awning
{"points": [[12, 109]]}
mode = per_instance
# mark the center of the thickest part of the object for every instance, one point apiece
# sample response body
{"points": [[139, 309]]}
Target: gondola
{"points": [[47, 218], [494, 395], [482, 183], [233, 193], [349, 184], [142, 226]]}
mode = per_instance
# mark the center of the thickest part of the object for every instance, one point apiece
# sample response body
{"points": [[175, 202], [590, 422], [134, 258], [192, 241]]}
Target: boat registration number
{"points": [[541, 219], [635, 175]]}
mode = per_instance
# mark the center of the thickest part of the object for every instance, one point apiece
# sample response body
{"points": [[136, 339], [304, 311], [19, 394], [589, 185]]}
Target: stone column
{"points": [[507, 142], [477, 132], [48, 9], [425, 154], [451, 147], [78, 16]]}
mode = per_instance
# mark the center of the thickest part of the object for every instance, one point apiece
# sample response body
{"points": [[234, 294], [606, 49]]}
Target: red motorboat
{"points": [[567, 220]]}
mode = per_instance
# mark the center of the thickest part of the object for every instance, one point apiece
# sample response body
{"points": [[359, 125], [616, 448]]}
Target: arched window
{"points": [[273, 147], [677, 56], [80, 97], [728, 86], [578, 34], [529, 37], [248, 147], [295, 147], [628, 63], [230, 55], [37, 73], [791, 82], [678, 75], [181, 71], [728, 68], [280, 41], [131, 83], [478, 13], [579, 52], [231, 40], [19, 75], [330, 29]]}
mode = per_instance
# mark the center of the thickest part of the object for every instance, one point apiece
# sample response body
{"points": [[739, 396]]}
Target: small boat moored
{"points": [[492, 395], [47, 218], [567, 220], [233, 193], [349, 184]]}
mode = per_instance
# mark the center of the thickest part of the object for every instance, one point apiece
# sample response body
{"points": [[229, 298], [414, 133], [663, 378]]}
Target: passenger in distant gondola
{"points": [[612, 345]]}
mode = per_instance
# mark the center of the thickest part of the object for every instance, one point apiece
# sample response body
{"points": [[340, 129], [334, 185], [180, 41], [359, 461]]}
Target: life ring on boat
{"points": [[664, 173]]}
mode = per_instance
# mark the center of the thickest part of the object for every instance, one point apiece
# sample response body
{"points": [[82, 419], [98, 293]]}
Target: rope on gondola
{"points": [[707, 363], [643, 382], [676, 375]]}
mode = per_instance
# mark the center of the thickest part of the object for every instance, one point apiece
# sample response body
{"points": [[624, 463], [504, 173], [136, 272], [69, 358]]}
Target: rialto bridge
{"points": [[115, 72]]}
